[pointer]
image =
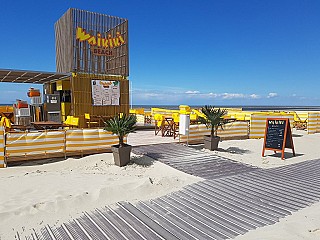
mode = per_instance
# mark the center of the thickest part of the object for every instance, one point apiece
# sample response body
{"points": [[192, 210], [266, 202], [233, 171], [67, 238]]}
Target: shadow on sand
{"points": [[297, 135], [233, 150], [36, 162], [143, 161], [287, 155]]}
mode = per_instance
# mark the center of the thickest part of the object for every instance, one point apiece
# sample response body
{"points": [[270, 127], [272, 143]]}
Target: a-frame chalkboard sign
{"points": [[278, 136]]}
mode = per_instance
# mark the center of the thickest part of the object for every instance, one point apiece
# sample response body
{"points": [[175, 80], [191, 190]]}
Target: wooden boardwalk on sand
{"points": [[233, 199]]}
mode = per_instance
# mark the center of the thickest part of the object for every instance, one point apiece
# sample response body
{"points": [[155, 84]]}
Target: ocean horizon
{"points": [[244, 107]]}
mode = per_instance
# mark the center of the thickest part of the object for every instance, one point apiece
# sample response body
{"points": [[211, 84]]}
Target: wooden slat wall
{"points": [[82, 97], [80, 58], [64, 48]]}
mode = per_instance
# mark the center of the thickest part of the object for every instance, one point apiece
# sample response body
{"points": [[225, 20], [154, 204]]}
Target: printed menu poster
{"points": [[105, 92]]}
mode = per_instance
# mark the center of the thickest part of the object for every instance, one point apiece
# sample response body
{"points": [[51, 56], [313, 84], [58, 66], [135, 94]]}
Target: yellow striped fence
{"points": [[234, 130], [2, 153], [45, 144], [32, 143], [140, 118], [84, 140], [258, 122], [313, 125]]}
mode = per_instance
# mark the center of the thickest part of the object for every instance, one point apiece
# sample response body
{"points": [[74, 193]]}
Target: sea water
{"points": [[244, 108]]}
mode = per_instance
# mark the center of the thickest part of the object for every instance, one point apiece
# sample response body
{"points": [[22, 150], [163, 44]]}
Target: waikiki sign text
{"points": [[100, 46]]}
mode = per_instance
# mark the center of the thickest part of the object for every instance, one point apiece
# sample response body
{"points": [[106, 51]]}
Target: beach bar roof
{"points": [[34, 77]]}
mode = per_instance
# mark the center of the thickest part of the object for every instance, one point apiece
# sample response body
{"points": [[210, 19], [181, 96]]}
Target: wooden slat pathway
{"points": [[193, 161], [221, 207]]}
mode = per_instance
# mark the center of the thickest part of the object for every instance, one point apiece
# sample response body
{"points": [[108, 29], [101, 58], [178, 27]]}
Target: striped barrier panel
{"points": [[164, 112], [313, 125], [40, 145], [2, 153], [140, 118], [234, 130], [84, 140], [258, 122], [302, 115], [26, 144]]}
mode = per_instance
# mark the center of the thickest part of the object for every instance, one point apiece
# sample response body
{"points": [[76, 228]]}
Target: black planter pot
{"points": [[211, 143], [121, 155]]}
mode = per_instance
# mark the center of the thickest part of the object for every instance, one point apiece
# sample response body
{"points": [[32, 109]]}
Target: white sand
{"points": [[32, 196]]}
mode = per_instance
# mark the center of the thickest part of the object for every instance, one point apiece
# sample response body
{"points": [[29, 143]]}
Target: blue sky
{"points": [[227, 52]]}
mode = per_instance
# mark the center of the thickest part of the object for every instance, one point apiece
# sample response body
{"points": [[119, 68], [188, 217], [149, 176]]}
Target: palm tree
{"points": [[213, 118], [121, 126]]}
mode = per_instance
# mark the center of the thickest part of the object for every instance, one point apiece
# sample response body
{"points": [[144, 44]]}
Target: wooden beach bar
{"points": [[92, 47], [89, 86], [92, 69]]}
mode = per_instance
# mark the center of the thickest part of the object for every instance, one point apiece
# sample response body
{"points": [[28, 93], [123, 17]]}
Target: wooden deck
{"points": [[228, 203]]}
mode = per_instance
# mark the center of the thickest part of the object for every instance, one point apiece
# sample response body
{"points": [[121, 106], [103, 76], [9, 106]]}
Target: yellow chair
{"points": [[88, 120], [159, 121], [5, 122], [71, 121], [75, 121], [176, 117], [176, 120]]}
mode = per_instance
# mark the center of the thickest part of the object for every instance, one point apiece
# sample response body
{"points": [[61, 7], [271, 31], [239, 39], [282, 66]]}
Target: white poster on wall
{"points": [[105, 92]]}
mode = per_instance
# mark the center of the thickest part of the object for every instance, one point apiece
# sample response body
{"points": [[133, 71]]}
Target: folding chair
{"points": [[176, 120], [88, 120], [158, 125]]}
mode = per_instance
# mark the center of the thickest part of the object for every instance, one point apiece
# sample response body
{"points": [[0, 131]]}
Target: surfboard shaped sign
{"points": [[278, 136]]}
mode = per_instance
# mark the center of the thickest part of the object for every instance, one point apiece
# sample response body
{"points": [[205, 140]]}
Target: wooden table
{"points": [[47, 125], [20, 127]]}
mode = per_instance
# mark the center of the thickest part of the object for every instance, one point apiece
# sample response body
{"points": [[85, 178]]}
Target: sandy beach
{"points": [[51, 192], [54, 192]]}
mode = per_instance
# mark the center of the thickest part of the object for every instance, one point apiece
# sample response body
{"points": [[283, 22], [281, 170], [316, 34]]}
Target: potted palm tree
{"points": [[121, 126], [213, 119]]}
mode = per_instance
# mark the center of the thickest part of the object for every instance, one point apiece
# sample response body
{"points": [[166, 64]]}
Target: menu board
{"points": [[105, 93], [278, 135], [275, 133]]}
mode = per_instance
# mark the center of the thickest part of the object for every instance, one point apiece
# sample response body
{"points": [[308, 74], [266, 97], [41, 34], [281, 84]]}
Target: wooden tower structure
{"points": [[93, 47]]}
